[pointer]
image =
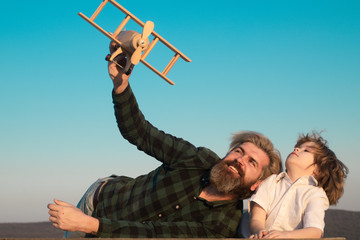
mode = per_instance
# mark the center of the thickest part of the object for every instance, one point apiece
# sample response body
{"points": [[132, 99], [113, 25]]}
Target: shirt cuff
{"points": [[104, 228]]}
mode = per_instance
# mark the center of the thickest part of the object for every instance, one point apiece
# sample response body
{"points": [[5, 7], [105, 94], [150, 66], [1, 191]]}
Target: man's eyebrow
{"points": [[241, 149]]}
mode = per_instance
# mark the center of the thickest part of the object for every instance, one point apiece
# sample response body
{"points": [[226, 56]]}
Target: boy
{"points": [[292, 204]]}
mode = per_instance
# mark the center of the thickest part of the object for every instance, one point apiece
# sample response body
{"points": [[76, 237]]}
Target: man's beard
{"points": [[227, 183]]}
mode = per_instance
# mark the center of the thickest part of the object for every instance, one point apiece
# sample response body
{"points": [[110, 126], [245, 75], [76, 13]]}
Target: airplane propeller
{"points": [[142, 43]]}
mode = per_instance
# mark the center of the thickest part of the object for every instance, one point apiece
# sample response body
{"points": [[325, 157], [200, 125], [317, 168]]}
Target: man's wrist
{"points": [[120, 89], [91, 226]]}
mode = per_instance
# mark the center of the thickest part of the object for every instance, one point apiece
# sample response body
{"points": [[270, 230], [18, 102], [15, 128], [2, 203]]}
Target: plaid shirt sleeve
{"points": [[164, 147]]}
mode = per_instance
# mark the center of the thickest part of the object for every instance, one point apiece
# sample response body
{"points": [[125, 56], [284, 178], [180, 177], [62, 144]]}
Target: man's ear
{"points": [[255, 185]]}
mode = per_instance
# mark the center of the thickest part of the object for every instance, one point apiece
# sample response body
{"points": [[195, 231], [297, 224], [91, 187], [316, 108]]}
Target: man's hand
{"points": [[117, 74], [65, 216]]}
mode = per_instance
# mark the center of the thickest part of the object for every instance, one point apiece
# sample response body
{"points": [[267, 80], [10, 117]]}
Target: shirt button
{"points": [[177, 206], [195, 198], [159, 215]]}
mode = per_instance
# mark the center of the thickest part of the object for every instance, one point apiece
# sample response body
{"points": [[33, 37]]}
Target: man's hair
{"points": [[330, 171], [264, 144]]}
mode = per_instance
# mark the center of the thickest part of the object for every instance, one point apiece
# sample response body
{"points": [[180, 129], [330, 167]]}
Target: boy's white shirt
{"points": [[291, 206]]}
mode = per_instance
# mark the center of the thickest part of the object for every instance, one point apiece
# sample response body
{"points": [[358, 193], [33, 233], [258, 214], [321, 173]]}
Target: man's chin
{"points": [[227, 181]]}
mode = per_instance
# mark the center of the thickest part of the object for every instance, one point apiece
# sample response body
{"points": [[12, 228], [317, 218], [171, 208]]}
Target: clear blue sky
{"points": [[278, 67]]}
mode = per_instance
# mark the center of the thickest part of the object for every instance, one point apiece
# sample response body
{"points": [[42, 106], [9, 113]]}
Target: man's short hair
{"points": [[264, 144]]}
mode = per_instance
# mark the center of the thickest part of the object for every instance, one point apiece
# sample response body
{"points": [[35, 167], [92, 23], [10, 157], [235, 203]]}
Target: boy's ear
{"points": [[255, 185]]}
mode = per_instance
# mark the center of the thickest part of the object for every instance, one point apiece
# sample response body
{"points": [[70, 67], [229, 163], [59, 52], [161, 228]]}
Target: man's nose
{"points": [[241, 159], [296, 149]]}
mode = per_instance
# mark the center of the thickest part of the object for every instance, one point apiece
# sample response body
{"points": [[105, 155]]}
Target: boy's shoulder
{"points": [[271, 180]]}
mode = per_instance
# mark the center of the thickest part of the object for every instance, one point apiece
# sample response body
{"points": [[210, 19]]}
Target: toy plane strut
{"points": [[138, 47]]}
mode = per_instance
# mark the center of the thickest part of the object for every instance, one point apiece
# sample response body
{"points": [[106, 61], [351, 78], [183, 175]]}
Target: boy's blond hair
{"points": [[330, 171]]}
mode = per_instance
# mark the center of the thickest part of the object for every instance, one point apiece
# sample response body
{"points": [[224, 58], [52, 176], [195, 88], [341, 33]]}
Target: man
{"points": [[193, 193]]}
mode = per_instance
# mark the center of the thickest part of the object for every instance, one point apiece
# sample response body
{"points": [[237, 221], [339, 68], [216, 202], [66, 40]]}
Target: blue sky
{"points": [[277, 67]]}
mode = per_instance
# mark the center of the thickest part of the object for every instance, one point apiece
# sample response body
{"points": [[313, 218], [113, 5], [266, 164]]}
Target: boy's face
{"points": [[302, 159]]}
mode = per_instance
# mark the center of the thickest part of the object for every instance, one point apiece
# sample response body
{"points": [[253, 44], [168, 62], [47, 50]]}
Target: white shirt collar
{"points": [[310, 180]]}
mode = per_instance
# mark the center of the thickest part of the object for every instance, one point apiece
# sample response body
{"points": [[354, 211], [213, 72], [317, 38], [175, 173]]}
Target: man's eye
{"points": [[252, 162], [238, 150]]}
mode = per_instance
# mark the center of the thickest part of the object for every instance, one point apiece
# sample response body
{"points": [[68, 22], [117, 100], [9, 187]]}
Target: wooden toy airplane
{"points": [[134, 45]]}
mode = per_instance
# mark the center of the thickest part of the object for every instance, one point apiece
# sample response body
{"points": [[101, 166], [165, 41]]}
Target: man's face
{"points": [[240, 169]]}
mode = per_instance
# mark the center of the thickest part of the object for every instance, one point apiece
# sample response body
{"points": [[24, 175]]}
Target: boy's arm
{"points": [[257, 221], [310, 232], [257, 227]]}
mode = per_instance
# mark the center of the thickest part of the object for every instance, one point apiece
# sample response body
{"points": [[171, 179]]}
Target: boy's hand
{"points": [[277, 234], [259, 234]]}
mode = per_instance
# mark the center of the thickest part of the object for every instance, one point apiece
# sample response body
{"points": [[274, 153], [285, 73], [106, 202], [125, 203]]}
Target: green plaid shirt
{"points": [[164, 203]]}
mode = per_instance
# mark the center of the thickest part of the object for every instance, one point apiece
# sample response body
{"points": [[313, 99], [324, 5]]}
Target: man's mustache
{"points": [[237, 166]]}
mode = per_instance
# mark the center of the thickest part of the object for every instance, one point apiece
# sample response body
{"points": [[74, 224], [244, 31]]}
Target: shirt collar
{"points": [[310, 180], [205, 179]]}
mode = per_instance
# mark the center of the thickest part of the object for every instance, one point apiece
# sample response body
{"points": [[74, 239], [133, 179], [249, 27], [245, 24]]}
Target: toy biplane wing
{"points": [[136, 46]]}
